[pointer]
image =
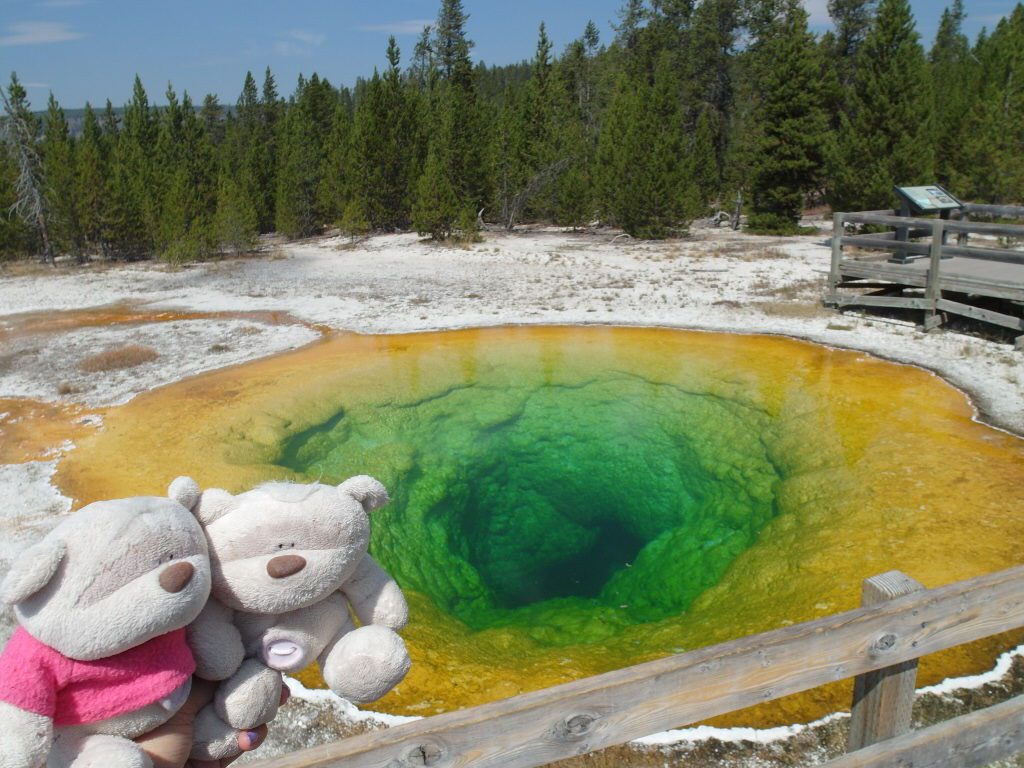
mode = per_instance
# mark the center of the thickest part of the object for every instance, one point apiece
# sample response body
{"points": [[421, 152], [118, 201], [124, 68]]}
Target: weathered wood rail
{"points": [[917, 275], [877, 643]]}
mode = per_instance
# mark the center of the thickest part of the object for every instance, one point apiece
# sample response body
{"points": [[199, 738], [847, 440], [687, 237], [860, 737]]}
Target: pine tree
{"points": [[134, 211], [530, 158], [334, 192], [187, 174], [423, 68], [464, 121], [840, 48], [211, 115], [353, 220], [706, 175], [573, 197], [382, 153], [451, 46], [852, 20], [235, 224], [709, 75], [645, 186], [263, 159], [58, 153], [92, 193], [888, 137], [994, 143], [460, 128], [437, 207], [302, 158], [791, 124], [954, 75], [21, 132], [16, 237]]}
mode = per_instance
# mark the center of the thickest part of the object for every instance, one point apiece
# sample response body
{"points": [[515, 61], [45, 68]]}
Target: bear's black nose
{"points": [[285, 565], [174, 578]]}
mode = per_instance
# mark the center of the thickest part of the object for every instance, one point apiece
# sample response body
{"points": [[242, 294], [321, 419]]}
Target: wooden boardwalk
{"points": [[944, 274], [877, 644]]}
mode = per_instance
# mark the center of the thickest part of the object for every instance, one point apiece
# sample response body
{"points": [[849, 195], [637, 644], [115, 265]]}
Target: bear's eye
{"points": [[289, 545]]}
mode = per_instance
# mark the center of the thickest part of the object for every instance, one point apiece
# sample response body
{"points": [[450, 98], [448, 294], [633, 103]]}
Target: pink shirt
{"points": [[37, 678]]}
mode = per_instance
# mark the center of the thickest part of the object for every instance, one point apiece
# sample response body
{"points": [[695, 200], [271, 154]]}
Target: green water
{"points": [[567, 511]]}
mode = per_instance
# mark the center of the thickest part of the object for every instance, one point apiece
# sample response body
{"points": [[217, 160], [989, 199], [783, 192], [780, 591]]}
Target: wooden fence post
{"points": [[933, 292], [837, 255], [883, 699]]}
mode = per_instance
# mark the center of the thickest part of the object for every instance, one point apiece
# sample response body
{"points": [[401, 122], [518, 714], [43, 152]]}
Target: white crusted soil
{"points": [[715, 280]]}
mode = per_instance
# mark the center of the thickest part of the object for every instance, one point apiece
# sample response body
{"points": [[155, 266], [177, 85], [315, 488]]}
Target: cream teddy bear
{"points": [[101, 655], [290, 566]]}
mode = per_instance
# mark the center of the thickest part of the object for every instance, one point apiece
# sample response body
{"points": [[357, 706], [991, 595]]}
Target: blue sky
{"points": [[91, 49]]}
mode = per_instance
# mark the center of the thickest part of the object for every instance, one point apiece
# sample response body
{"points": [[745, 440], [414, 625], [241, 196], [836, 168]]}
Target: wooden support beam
{"points": [[1000, 211], [986, 254], [884, 698], [921, 232], [915, 222], [923, 249], [837, 256], [932, 289], [978, 738], [885, 244], [898, 302], [982, 228], [977, 313], [585, 715]]}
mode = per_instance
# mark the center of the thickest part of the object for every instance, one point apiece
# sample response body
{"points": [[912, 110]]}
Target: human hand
{"points": [[169, 745]]}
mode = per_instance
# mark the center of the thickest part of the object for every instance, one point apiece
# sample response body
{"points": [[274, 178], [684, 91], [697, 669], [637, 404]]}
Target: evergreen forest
{"points": [[695, 106]]}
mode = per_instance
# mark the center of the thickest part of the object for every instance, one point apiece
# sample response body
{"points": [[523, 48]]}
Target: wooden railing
{"points": [[878, 644], [999, 282]]}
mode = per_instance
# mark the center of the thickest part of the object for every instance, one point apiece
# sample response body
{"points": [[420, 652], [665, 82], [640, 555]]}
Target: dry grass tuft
{"points": [[781, 309], [118, 358]]}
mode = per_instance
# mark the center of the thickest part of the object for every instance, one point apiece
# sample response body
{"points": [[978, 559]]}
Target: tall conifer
{"points": [[58, 152], [92, 183], [888, 137], [382, 151], [791, 123]]}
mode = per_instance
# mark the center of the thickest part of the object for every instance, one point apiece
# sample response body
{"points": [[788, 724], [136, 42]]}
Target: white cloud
{"points": [[299, 42], [817, 10], [308, 38], [38, 32], [407, 27]]}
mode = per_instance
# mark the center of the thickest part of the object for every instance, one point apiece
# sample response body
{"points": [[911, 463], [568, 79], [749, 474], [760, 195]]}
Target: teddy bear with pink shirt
{"points": [[115, 618], [101, 655]]}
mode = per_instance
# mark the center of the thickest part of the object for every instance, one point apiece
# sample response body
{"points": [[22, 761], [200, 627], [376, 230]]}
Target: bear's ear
{"points": [[185, 491], [212, 505], [367, 491], [32, 570]]}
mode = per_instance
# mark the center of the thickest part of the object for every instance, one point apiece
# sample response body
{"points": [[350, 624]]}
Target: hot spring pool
{"points": [[572, 500]]}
